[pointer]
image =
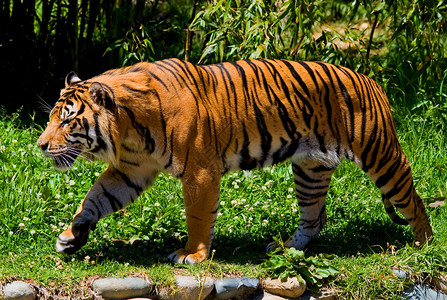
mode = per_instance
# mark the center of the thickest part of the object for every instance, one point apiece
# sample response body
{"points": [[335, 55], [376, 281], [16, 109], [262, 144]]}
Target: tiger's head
{"points": [[81, 124]]}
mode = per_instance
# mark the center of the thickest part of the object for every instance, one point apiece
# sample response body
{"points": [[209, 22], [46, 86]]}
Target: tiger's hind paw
{"points": [[183, 256], [271, 247]]}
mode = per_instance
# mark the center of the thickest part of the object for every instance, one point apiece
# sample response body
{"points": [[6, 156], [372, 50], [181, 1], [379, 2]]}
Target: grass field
{"points": [[37, 203]]}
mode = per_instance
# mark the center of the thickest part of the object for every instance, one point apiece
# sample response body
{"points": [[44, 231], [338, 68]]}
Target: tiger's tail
{"points": [[389, 208]]}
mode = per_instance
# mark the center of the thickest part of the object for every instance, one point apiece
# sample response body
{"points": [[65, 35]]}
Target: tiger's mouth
{"points": [[64, 160]]}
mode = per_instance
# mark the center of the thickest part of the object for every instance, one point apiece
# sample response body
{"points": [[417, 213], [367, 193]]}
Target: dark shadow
{"points": [[356, 236]]}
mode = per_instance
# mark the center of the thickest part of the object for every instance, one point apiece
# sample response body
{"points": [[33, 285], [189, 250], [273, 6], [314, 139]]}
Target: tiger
{"points": [[199, 122]]}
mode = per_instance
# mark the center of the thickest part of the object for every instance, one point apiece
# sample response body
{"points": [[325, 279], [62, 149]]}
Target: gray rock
{"points": [[188, 288], [237, 288], [419, 292], [19, 290], [291, 288], [267, 296], [440, 283], [118, 288], [401, 274]]}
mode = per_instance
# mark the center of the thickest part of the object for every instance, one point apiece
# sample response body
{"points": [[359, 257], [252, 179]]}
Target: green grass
{"points": [[37, 203]]}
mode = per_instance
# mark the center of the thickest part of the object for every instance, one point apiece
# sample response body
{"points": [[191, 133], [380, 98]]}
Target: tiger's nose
{"points": [[42, 145]]}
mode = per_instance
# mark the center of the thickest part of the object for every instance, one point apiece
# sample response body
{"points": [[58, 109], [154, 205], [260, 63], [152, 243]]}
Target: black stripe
{"points": [[129, 162], [311, 74], [142, 130], [247, 162], [159, 80], [129, 182], [169, 163], [300, 173], [266, 137], [348, 101], [99, 139], [114, 202], [180, 175], [390, 173]]}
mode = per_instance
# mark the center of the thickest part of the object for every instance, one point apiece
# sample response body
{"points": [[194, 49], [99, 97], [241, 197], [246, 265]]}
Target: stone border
{"points": [[186, 287]]}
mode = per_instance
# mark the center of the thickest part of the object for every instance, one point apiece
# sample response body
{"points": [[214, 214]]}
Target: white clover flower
{"points": [[96, 174], [289, 196], [32, 232], [21, 225], [264, 222], [222, 203], [72, 182], [290, 190], [14, 141], [156, 204], [58, 196], [70, 195], [2, 148]]}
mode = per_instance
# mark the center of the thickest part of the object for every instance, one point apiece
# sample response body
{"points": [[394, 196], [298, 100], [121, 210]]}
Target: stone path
{"points": [[189, 288], [186, 287]]}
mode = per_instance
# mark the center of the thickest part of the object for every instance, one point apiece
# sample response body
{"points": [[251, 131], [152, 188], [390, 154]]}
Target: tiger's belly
{"points": [[253, 155]]}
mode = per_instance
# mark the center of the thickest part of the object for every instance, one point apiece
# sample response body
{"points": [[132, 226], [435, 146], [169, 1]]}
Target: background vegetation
{"points": [[401, 44]]}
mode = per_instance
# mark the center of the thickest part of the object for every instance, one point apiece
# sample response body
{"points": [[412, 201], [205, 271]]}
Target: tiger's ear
{"points": [[71, 79], [101, 96]]}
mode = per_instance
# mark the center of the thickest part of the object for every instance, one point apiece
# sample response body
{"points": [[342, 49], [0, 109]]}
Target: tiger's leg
{"points": [[201, 194], [111, 192], [393, 176], [312, 181]]}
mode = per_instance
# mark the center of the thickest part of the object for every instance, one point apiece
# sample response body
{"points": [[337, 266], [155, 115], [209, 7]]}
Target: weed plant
{"points": [[38, 202]]}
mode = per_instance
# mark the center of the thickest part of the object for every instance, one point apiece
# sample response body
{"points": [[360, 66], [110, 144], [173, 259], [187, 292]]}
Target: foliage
{"points": [[401, 44], [294, 263], [252, 29], [43, 40]]}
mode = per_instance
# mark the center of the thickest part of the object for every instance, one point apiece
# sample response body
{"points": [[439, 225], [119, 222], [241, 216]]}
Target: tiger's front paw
{"points": [[183, 256], [74, 238], [67, 243]]}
